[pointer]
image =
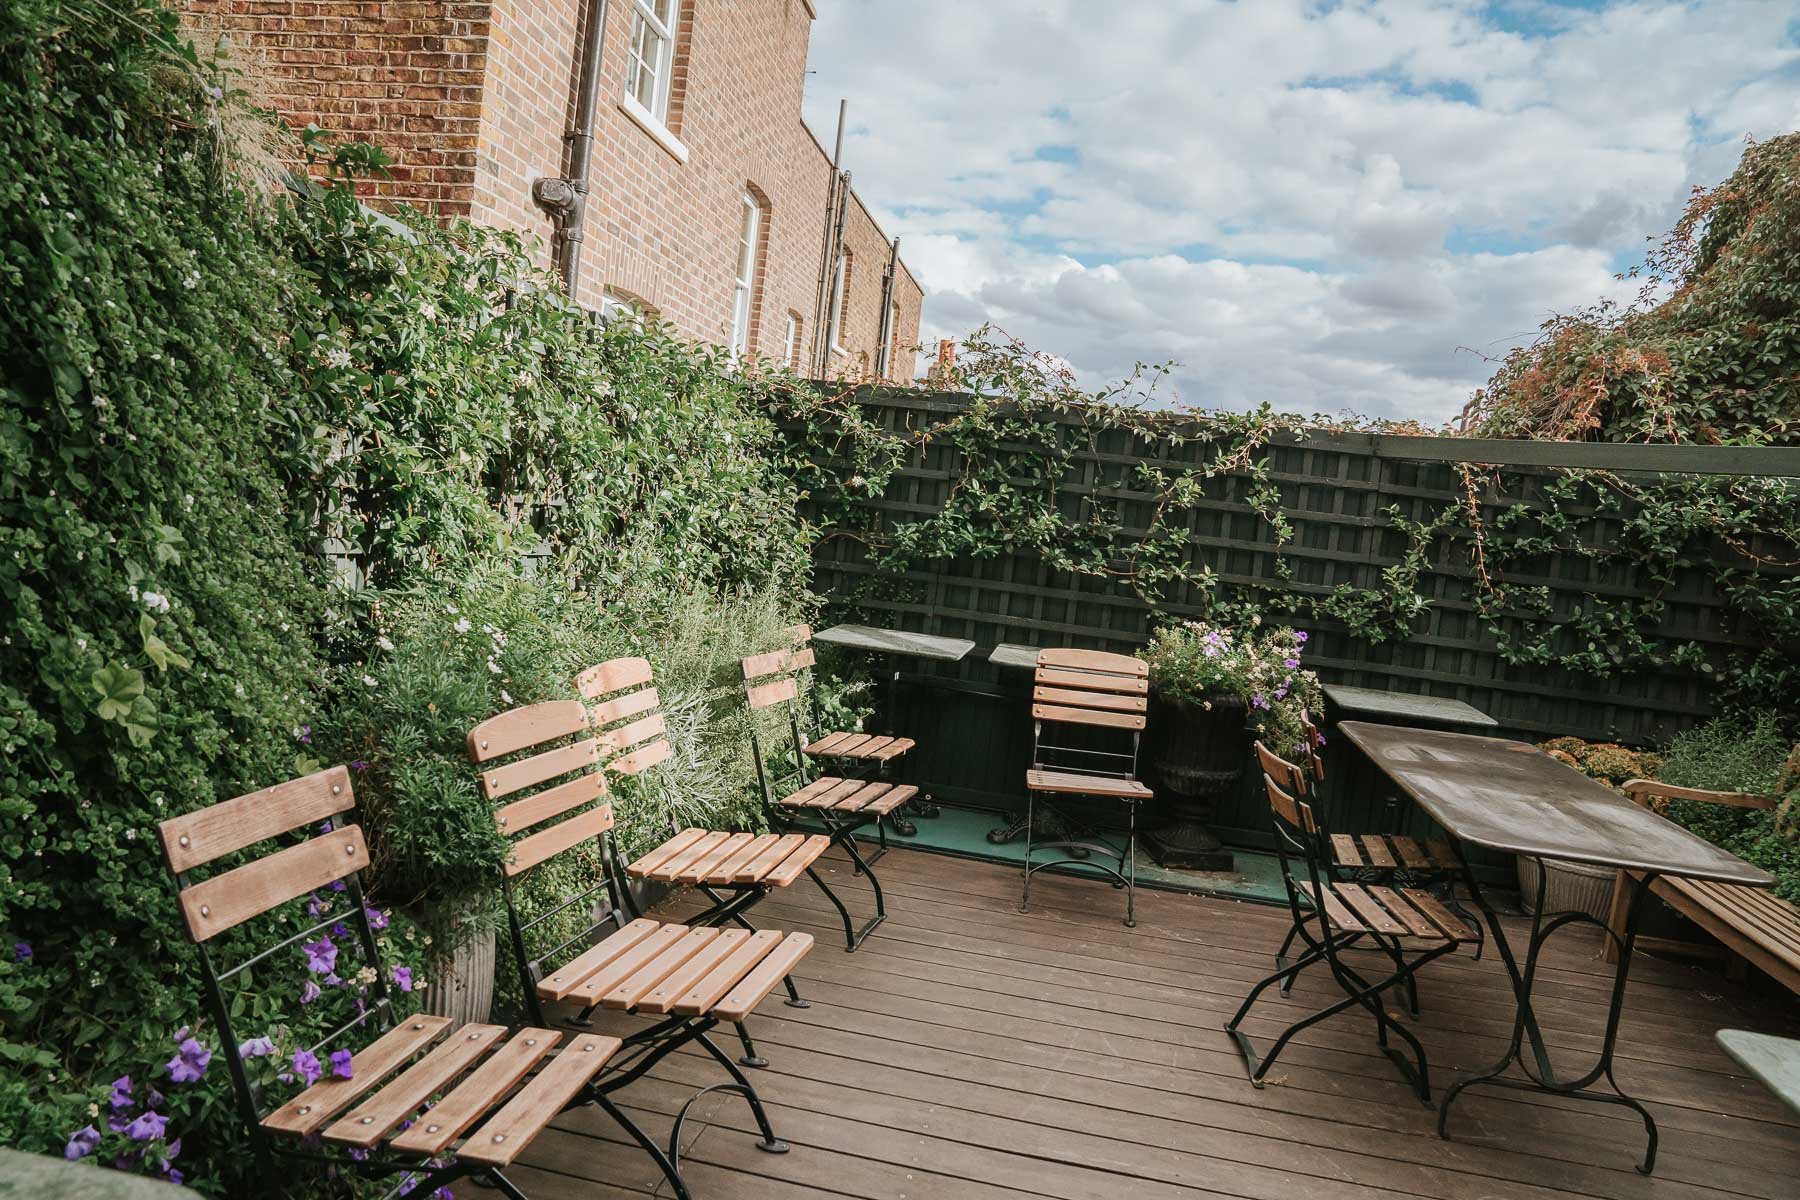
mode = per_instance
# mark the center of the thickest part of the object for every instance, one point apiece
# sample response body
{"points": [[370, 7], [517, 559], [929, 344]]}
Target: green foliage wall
{"points": [[259, 457]]}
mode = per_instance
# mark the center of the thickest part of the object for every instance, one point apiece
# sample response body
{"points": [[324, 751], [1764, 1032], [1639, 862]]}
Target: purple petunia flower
{"points": [[326, 826], [377, 919], [173, 1175], [315, 907], [147, 1127], [306, 1066], [1301, 635], [357, 1154], [309, 993], [304, 735], [357, 764], [403, 978], [337, 885], [340, 930], [22, 952], [81, 1143], [332, 980], [321, 956], [260, 1047], [189, 1063], [340, 1063], [443, 1193], [122, 1093], [1290, 663], [1259, 701], [171, 1151]]}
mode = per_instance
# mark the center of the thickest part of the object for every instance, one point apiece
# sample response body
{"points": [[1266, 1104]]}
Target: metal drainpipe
{"points": [[821, 352], [566, 198], [886, 334], [833, 300]]}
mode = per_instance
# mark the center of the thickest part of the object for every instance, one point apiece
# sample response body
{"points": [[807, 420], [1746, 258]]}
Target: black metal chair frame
{"points": [[644, 1048], [840, 828], [1295, 840], [722, 908], [1125, 873], [423, 1174]]}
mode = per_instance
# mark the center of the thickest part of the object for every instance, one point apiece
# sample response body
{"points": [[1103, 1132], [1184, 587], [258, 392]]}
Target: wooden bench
{"points": [[1752, 924]]}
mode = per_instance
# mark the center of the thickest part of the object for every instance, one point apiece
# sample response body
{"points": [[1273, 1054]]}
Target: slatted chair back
{"points": [[241, 868], [1313, 761], [1090, 688], [1296, 837], [774, 678], [540, 766], [627, 720]]}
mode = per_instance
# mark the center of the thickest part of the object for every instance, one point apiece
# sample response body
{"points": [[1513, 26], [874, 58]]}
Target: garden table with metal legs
{"points": [[1513, 798]]}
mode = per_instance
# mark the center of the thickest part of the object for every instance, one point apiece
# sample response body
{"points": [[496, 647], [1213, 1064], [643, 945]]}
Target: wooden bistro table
{"points": [[1514, 798], [895, 644]]}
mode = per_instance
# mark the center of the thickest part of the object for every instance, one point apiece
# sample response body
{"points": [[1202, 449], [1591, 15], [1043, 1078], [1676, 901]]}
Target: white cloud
{"points": [[1315, 204]]}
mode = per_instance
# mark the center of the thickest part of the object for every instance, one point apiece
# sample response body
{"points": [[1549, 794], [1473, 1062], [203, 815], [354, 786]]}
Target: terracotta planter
{"points": [[1197, 756]]}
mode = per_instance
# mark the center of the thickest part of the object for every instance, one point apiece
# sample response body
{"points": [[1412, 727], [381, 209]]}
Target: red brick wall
{"points": [[473, 101], [405, 74]]}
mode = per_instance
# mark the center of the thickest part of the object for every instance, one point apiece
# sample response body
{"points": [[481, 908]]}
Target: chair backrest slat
{"points": [[529, 851], [1644, 790], [233, 897], [504, 780], [528, 726], [1295, 812], [1088, 716], [1092, 681], [1080, 699], [1089, 687], [800, 660], [763, 695], [1094, 660], [758, 665], [632, 731], [625, 737], [197, 838], [643, 758], [551, 802], [620, 707], [1281, 770], [614, 675]]}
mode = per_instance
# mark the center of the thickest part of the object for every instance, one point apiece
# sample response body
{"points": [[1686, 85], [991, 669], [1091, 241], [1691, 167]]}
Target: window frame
{"points": [[743, 287], [653, 118], [790, 345]]}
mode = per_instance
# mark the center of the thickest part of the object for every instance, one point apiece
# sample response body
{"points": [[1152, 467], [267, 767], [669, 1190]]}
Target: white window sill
{"points": [[655, 128]]}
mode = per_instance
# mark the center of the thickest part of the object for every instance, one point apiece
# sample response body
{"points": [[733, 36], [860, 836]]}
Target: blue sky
{"points": [[1330, 206]]}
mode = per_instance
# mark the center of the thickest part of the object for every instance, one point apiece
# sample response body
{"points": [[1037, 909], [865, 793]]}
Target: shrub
{"points": [[158, 641], [1737, 755], [1195, 660]]}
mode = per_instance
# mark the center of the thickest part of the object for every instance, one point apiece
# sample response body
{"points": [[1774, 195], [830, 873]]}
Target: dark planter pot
{"points": [[1197, 756]]}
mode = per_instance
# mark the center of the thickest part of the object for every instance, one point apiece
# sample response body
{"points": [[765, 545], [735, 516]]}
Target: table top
{"points": [[1403, 706], [1015, 655], [1774, 1060], [896, 641], [1512, 797]]}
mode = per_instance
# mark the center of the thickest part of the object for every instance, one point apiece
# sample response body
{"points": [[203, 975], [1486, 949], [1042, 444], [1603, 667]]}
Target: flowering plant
{"points": [[1196, 661]]}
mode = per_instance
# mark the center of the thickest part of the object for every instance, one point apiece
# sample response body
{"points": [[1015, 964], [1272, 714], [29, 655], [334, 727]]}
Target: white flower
{"points": [[505, 696], [337, 356], [156, 601], [428, 310], [524, 379], [493, 666], [191, 280], [857, 481], [238, 690], [462, 624], [385, 643], [368, 681]]}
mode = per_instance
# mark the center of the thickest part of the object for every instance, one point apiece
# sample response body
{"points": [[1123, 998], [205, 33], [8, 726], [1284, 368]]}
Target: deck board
{"points": [[968, 1050]]}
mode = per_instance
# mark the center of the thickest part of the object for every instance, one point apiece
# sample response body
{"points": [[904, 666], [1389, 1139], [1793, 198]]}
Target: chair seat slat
{"points": [[1410, 854], [626, 993], [477, 1094], [371, 1120], [712, 986], [560, 982], [1076, 784], [750, 990], [768, 858], [1376, 847], [1343, 848], [311, 1109], [663, 853], [800, 858], [610, 976], [510, 1130], [661, 998], [705, 866]]}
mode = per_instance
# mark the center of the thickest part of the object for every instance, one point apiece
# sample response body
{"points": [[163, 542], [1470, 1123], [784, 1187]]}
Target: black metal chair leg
{"points": [[770, 1143], [751, 1058], [663, 1162], [1131, 865], [843, 913], [1030, 816]]}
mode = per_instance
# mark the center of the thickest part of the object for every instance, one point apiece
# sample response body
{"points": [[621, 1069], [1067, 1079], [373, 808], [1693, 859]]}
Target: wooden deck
{"points": [[970, 1051]]}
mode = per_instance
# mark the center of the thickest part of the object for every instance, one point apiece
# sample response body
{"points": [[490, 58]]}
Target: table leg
{"points": [[1525, 1025]]}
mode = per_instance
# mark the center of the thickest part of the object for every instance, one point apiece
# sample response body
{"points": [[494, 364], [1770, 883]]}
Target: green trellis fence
{"points": [[1335, 491]]}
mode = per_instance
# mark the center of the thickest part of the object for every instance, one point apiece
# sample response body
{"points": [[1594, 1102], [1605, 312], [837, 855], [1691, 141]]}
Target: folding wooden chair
{"points": [[1368, 857], [498, 1088], [842, 805], [1097, 690], [691, 977], [1331, 917], [735, 870]]}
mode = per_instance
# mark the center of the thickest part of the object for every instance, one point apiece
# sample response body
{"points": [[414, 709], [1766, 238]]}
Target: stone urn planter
{"points": [[462, 987], [1197, 755]]}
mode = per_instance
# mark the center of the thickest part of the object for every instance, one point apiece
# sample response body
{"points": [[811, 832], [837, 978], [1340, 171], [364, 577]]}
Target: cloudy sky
{"points": [[1328, 206]]}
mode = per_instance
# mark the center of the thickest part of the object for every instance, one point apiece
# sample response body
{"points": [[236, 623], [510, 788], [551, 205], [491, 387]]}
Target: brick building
{"points": [[709, 202]]}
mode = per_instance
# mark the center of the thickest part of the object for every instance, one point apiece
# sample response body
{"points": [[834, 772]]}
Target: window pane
{"points": [[746, 265], [664, 10], [645, 65], [740, 321]]}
